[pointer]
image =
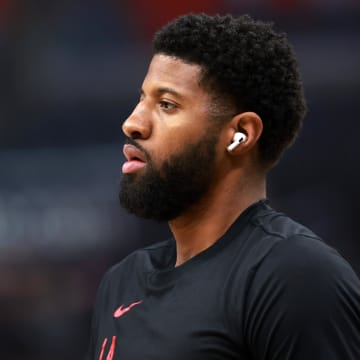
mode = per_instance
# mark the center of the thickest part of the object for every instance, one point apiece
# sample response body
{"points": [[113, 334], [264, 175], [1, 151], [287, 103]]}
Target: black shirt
{"points": [[268, 289]]}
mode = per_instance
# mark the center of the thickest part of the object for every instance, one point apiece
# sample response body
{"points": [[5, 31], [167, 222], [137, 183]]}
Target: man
{"points": [[221, 101]]}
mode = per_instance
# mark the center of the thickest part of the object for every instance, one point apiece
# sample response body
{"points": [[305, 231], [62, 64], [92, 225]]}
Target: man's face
{"points": [[171, 151]]}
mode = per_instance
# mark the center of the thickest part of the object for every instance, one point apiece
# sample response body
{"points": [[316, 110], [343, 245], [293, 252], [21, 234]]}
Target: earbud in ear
{"points": [[238, 138]]}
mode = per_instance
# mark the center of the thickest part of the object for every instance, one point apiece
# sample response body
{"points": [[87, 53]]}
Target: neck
{"points": [[206, 222]]}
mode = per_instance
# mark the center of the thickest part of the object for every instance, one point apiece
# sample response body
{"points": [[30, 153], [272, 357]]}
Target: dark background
{"points": [[70, 71]]}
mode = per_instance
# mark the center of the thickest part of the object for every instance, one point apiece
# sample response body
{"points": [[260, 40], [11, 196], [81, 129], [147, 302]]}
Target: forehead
{"points": [[169, 72]]}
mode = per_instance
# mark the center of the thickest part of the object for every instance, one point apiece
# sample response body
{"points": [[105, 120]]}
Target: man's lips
{"points": [[136, 159]]}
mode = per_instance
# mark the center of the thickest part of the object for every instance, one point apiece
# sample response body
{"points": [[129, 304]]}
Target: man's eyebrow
{"points": [[167, 90], [164, 90]]}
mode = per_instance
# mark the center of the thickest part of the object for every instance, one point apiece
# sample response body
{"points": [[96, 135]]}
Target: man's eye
{"points": [[167, 105]]}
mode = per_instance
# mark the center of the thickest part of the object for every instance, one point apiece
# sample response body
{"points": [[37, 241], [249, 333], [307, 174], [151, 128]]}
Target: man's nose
{"points": [[138, 124]]}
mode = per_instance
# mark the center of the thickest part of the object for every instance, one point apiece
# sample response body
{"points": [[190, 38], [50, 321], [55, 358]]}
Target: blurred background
{"points": [[70, 71]]}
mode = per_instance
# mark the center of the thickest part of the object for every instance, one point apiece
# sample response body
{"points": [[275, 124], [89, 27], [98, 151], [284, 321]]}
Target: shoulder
{"points": [[295, 247], [298, 273], [297, 254], [303, 279], [279, 225], [290, 244], [276, 241], [305, 261], [303, 293]]}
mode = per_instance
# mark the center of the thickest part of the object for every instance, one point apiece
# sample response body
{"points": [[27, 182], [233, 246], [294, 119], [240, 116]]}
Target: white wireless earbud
{"points": [[238, 138]]}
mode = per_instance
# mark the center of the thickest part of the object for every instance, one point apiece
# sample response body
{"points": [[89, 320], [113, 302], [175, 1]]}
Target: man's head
{"points": [[209, 78], [246, 66]]}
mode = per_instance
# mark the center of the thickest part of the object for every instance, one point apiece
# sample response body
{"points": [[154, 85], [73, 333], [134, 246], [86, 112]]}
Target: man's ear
{"points": [[250, 125]]}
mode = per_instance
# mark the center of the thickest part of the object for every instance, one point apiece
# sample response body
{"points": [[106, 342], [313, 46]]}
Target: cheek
{"points": [[160, 151], [170, 141], [174, 135]]}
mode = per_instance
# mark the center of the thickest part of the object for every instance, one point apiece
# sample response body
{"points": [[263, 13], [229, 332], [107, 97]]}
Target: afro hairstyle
{"points": [[247, 63]]}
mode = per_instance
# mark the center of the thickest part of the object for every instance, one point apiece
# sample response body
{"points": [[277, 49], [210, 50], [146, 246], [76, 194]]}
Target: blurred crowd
{"points": [[70, 71]]}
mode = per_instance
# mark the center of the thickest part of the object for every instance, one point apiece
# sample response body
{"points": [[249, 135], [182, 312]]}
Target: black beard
{"points": [[183, 179]]}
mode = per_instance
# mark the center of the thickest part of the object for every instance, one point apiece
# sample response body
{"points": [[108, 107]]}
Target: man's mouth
{"points": [[136, 159]]}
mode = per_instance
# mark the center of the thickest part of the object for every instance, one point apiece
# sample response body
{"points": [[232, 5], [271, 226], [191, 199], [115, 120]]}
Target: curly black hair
{"points": [[246, 62]]}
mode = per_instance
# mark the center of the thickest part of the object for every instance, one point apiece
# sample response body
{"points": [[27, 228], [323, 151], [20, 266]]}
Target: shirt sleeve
{"points": [[97, 309], [303, 302]]}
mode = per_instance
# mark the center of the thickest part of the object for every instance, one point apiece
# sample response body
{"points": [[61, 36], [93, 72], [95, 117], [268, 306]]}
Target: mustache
{"points": [[138, 146]]}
